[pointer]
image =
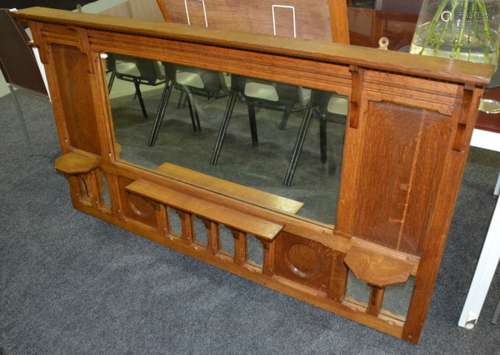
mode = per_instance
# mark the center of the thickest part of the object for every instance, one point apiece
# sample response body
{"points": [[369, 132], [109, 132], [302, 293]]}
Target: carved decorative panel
{"points": [[303, 261], [76, 98], [402, 137], [135, 206]]}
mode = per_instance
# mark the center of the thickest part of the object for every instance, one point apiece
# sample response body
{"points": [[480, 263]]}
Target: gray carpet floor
{"points": [[71, 284]]}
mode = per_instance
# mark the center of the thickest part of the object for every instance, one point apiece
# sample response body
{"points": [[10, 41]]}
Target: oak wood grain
{"points": [[74, 163], [424, 66], [376, 269]]}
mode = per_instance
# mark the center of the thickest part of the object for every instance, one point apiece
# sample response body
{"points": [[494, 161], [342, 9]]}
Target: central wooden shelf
{"points": [[205, 209]]}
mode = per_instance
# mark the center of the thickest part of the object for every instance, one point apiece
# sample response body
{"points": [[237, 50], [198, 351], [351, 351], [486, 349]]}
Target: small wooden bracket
{"points": [[84, 47], [377, 269], [36, 30], [464, 105], [355, 98], [76, 163]]}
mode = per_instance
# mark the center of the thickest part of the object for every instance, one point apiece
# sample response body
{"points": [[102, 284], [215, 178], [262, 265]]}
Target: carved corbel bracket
{"points": [[75, 163], [377, 269], [84, 46], [355, 99], [80, 170], [41, 43]]}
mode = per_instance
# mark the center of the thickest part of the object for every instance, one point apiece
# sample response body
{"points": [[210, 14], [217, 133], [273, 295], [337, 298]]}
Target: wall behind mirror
{"points": [[278, 138]]}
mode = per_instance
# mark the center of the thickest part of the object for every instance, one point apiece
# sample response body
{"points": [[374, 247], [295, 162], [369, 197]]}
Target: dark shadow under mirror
{"points": [[187, 123]]}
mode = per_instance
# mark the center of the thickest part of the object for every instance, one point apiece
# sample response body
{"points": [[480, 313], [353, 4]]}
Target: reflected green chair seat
{"points": [[338, 105], [137, 71], [190, 81], [127, 68], [261, 91]]}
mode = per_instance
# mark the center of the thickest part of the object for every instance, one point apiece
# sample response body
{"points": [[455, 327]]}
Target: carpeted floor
{"points": [[71, 284]]}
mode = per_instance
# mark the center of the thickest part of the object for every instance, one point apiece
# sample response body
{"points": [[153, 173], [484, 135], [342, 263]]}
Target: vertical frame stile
{"points": [[436, 234], [353, 150], [338, 278], [102, 106], [47, 58], [104, 121]]}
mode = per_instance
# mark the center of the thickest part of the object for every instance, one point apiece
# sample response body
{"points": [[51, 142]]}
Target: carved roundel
{"points": [[303, 260], [140, 206]]}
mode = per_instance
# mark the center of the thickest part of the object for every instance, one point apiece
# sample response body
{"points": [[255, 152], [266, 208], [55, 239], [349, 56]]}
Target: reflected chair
{"points": [[138, 71], [189, 81], [327, 107], [259, 93]]}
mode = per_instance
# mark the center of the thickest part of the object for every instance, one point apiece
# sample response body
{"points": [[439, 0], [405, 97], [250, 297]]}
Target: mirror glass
{"points": [[282, 140]]}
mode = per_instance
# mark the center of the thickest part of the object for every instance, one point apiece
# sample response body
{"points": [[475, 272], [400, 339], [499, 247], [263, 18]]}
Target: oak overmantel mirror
{"points": [[324, 171]]}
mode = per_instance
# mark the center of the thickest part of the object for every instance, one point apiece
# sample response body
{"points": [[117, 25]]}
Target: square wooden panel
{"points": [[395, 198]]}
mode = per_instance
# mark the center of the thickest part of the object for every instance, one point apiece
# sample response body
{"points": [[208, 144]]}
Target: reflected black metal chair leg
{"points": [[111, 81], [323, 139], [192, 113], [139, 96], [197, 116], [253, 124], [233, 98], [297, 149], [182, 95], [162, 108], [192, 102], [284, 120]]}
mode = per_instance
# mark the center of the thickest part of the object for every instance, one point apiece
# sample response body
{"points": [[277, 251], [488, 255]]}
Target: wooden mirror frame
{"points": [[407, 138]]}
